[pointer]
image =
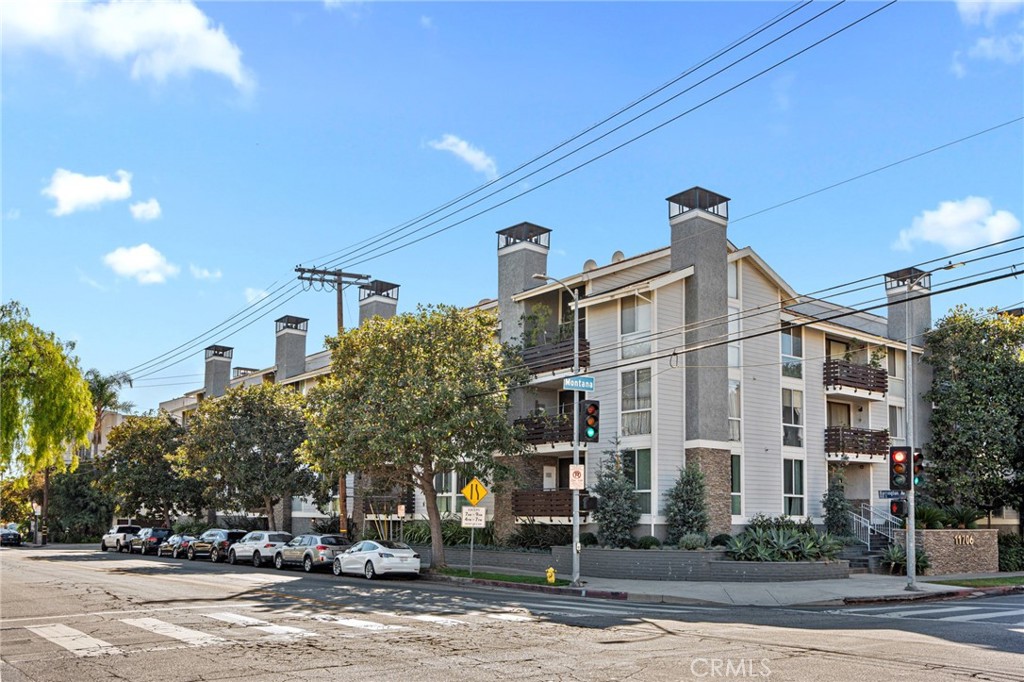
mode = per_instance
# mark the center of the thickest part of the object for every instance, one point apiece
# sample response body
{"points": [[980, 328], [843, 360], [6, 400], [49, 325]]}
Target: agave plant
{"points": [[784, 543], [962, 516], [927, 516], [739, 547]]}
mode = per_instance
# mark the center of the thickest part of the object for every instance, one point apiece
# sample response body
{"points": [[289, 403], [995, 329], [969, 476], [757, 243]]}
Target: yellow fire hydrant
{"points": [[551, 575]]}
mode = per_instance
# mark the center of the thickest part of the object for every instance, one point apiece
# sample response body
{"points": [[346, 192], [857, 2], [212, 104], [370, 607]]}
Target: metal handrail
{"points": [[861, 528]]}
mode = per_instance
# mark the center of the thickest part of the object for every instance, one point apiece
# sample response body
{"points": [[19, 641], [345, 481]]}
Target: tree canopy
{"points": [[242, 447], [417, 394], [44, 400], [976, 455], [105, 399]]}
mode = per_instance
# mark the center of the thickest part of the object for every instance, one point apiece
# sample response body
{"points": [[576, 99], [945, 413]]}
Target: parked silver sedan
{"points": [[310, 551], [258, 546]]}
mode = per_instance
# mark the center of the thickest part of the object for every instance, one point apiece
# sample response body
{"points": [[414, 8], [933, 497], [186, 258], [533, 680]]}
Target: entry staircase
{"points": [[876, 529]]}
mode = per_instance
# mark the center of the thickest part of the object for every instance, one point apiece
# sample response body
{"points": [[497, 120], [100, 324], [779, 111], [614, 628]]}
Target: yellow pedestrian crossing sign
{"points": [[474, 492]]}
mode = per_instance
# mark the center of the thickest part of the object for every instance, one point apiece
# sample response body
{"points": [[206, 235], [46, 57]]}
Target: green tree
{"points": [[416, 395], [105, 400], [45, 406], [686, 509], [80, 510], [618, 509], [837, 508], [138, 470], [242, 446], [976, 455]]}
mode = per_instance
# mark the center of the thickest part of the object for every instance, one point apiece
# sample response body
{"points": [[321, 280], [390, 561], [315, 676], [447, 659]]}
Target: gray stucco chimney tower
{"points": [[377, 299], [522, 253], [290, 346], [218, 370], [900, 286], [698, 219]]}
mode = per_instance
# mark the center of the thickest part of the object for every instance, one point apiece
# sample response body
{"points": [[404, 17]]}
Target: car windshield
{"points": [[332, 540], [279, 537], [161, 532], [389, 544]]}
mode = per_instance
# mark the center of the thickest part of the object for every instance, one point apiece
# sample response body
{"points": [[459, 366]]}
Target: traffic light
{"points": [[918, 467], [899, 468], [898, 508], [590, 421]]}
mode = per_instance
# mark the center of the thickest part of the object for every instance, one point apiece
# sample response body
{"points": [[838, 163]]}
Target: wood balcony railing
{"points": [[541, 430], [554, 356], [388, 503], [843, 374], [848, 440], [545, 503]]}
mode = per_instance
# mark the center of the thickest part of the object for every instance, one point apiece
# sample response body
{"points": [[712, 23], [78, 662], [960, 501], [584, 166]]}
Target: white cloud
{"points": [[158, 39], [475, 157], [146, 210], [143, 262], [86, 279], [974, 12], [426, 22], [254, 295], [781, 89], [203, 273], [959, 225], [1007, 48], [74, 191], [12, 214]]}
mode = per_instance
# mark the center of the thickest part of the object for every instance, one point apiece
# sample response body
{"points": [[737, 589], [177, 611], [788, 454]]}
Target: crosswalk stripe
{"points": [[183, 634], [257, 624], [514, 617], [438, 620], [988, 614], [75, 641], [925, 612], [356, 623]]}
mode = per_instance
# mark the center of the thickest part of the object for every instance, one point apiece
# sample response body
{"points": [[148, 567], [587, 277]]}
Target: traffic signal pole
{"points": [[910, 398]]}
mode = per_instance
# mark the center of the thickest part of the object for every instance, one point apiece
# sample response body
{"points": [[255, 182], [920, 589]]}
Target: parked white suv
{"points": [[119, 537], [258, 546]]}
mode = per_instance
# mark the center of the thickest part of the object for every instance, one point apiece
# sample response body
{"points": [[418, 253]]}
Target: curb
{"points": [[961, 593], [528, 587]]}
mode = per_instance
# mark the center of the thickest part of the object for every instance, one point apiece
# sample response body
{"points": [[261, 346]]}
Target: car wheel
{"points": [[368, 570], [231, 557], [278, 561], [336, 568], [307, 564], [174, 553], [120, 548], [103, 545], [191, 553], [214, 555], [257, 560]]}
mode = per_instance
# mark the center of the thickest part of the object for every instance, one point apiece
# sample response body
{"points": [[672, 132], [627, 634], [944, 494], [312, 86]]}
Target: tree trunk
{"points": [[167, 516], [45, 529], [343, 504], [269, 504], [433, 519]]}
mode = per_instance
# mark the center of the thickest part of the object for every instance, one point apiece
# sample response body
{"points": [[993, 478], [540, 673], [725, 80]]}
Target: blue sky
{"points": [[166, 163]]}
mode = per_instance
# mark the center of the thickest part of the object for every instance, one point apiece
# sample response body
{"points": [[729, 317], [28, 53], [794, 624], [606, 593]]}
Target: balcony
{"points": [[542, 430], [844, 443], [552, 357], [388, 504], [857, 381], [545, 503]]}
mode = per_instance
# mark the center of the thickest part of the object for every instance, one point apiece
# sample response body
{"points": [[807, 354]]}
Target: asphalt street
{"points": [[79, 614]]}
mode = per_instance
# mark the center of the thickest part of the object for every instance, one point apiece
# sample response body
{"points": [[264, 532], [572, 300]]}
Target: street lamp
{"points": [[575, 422], [909, 418]]}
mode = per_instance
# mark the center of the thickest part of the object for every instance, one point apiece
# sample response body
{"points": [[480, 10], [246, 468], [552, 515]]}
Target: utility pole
{"points": [[321, 279]]}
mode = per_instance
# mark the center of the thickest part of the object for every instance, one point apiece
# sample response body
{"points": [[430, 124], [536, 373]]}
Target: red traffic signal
{"points": [[899, 468]]}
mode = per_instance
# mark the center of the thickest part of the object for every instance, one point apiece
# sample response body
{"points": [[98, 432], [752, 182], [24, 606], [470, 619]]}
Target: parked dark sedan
{"points": [[175, 546], [148, 540], [215, 543], [10, 538]]}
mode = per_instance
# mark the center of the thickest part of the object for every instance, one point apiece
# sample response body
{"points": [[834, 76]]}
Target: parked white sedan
{"points": [[258, 546], [377, 557]]}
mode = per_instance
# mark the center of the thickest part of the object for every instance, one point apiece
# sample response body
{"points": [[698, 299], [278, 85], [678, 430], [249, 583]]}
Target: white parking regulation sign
{"points": [[474, 517], [577, 477]]}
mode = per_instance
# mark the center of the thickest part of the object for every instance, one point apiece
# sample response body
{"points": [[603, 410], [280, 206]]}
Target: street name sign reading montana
{"points": [[474, 492], [474, 517], [578, 383]]}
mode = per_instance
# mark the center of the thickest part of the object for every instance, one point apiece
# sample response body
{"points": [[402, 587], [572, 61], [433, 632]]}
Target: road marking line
{"points": [[121, 612], [187, 635], [982, 616], [75, 641], [438, 620], [509, 616], [356, 623], [257, 624], [924, 612]]}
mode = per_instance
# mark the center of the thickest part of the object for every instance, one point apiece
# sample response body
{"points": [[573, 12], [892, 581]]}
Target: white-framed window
{"points": [[736, 476], [635, 318], [733, 279], [636, 402], [735, 410], [897, 423], [894, 362], [792, 352], [636, 465], [448, 486], [793, 487], [792, 417], [734, 335]]}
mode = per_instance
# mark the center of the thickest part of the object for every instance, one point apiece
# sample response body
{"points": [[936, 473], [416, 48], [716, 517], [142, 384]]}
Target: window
{"points": [[895, 363], [733, 279], [896, 422], [735, 406], [792, 418], [734, 334], [636, 326], [737, 499], [636, 402], [448, 485], [792, 352], [636, 464], [567, 304], [793, 487]]}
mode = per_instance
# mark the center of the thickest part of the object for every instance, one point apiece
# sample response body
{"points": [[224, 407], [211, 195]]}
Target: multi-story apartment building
{"points": [[700, 352]]}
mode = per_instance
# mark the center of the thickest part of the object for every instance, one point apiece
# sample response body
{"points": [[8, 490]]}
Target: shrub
{"points": [[246, 523], [328, 524], [721, 540], [895, 559], [962, 516], [928, 516], [537, 536], [783, 544], [686, 509], [619, 510], [1011, 552], [194, 528], [837, 507], [648, 542], [692, 541], [588, 539], [781, 521]]}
